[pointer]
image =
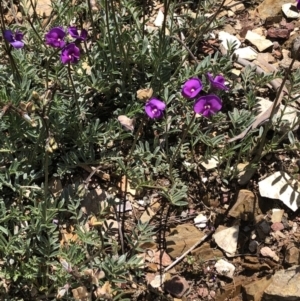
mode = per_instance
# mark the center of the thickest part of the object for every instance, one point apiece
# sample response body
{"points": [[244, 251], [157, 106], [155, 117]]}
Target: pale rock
{"points": [[158, 281], [277, 186], [285, 285], [247, 53], [290, 11], [257, 40], [159, 19], [266, 251], [228, 38], [238, 25], [285, 117], [259, 30], [211, 163], [236, 72], [225, 268], [270, 8], [230, 13], [200, 221], [234, 5], [276, 215], [227, 239]]}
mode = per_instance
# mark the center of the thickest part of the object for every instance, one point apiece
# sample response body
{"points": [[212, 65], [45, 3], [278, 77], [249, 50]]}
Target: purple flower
{"points": [[55, 37], [70, 54], [208, 105], [218, 82], [74, 33], [154, 108], [298, 4], [191, 87], [15, 40]]}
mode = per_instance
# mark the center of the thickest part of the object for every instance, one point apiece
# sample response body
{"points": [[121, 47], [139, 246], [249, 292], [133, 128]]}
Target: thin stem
{"points": [[179, 145], [74, 90], [108, 34], [92, 20], [135, 139], [48, 66]]}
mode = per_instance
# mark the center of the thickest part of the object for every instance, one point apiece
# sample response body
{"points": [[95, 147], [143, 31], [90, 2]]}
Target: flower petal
{"points": [[73, 32], [191, 88], [219, 79], [215, 102], [18, 36], [8, 35], [199, 105], [17, 44], [149, 110], [160, 105]]}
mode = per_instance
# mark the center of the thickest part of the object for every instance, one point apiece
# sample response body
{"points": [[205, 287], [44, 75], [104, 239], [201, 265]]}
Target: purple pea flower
{"points": [[15, 40], [218, 82], [154, 108], [55, 37], [191, 88], [70, 54], [208, 105], [74, 33]]}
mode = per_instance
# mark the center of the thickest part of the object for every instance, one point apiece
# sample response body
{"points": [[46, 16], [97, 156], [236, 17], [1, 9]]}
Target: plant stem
{"points": [[173, 158], [74, 90]]}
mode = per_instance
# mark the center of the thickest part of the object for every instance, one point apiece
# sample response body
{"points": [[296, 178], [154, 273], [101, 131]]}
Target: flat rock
{"points": [[271, 8], [225, 268], [205, 252], [226, 239], [281, 33], [254, 290], [285, 285], [277, 186], [181, 239], [260, 42], [292, 255], [246, 206], [228, 38], [290, 11], [247, 53], [285, 117], [286, 61]]}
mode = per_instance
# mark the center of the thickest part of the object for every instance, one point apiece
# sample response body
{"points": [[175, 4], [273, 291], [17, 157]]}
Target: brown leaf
{"points": [[144, 94], [80, 293], [104, 291], [126, 122]]}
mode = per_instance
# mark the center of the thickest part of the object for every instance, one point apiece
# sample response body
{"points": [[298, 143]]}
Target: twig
{"points": [[188, 251]]}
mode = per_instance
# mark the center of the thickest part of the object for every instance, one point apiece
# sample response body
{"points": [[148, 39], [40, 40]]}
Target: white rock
{"points": [[288, 118], [277, 215], [227, 239], [277, 186], [225, 268], [228, 38], [158, 281], [159, 19], [247, 53], [257, 40], [211, 163], [200, 221], [290, 10], [266, 251]]}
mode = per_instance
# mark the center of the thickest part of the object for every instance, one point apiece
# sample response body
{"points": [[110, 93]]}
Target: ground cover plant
{"points": [[95, 95]]}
